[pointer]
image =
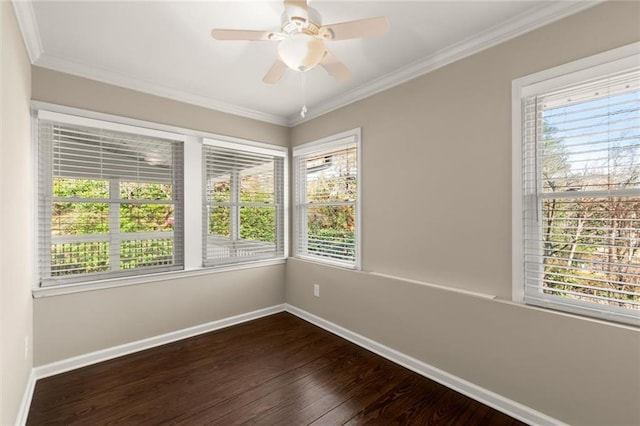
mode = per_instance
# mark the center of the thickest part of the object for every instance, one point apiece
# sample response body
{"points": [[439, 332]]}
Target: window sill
{"points": [[60, 290], [613, 315]]}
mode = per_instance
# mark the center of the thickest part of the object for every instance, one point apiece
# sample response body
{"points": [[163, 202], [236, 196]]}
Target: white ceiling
{"points": [[165, 47]]}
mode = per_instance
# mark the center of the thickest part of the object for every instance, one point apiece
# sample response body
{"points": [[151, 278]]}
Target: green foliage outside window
{"points": [[256, 223], [79, 258], [331, 178], [87, 213], [79, 218]]}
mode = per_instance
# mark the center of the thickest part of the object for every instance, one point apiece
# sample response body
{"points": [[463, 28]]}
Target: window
{"points": [[117, 206], [244, 203], [327, 188], [580, 189], [110, 200]]}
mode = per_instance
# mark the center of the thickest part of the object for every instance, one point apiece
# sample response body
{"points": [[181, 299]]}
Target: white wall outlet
{"points": [[316, 290]]}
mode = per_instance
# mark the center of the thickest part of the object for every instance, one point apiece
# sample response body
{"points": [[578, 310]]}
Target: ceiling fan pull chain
{"points": [[303, 111]]}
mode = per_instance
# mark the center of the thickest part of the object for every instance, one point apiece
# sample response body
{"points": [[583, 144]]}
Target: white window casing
{"points": [[327, 187], [576, 187]]}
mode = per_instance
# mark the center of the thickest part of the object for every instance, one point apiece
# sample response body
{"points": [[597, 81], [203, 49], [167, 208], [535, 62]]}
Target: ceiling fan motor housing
{"points": [[294, 24]]}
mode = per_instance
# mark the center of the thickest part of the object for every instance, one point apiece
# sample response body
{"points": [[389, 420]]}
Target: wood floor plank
{"points": [[387, 377], [411, 402], [457, 409], [228, 388], [307, 399], [274, 370], [234, 402]]}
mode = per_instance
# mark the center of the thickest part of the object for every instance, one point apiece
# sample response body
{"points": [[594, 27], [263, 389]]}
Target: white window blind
{"points": [[110, 201], [581, 197], [326, 194], [244, 203]]}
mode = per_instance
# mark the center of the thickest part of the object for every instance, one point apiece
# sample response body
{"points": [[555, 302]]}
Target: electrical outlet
{"points": [[316, 290]]}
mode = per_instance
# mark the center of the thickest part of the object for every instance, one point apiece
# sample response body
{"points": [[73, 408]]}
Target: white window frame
{"points": [[561, 76], [337, 141], [192, 155], [256, 148]]}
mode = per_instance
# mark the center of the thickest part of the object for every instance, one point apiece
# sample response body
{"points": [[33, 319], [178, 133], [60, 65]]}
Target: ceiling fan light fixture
{"points": [[301, 51], [301, 40]]}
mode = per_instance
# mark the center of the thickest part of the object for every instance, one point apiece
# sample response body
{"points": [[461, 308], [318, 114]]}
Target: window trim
{"points": [[324, 144], [547, 80], [147, 278], [193, 140]]}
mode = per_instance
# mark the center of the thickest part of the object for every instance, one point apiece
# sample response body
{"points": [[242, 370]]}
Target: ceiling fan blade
{"points": [[334, 67], [275, 73], [297, 9], [361, 28], [244, 35]]}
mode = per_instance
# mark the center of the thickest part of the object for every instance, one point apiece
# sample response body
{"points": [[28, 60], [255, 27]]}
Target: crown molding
{"points": [[545, 14], [28, 24], [519, 25], [151, 88]]}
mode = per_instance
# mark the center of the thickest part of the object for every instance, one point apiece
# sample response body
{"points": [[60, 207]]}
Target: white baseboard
{"points": [[23, 411], [485, 396]]}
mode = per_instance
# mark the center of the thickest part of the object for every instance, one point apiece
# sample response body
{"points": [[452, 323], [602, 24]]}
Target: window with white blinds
{"points": [[581, 193], [327, 187], [110, 200], [244, 203]]}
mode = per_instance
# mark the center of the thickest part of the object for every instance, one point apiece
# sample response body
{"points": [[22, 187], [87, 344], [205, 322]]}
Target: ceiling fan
{"points": [[302, 38]]}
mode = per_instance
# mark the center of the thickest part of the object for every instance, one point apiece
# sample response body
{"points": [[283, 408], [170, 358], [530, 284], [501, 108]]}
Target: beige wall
{"points": [[16, 235], [80, 323], [76, 324], [436, 164]]}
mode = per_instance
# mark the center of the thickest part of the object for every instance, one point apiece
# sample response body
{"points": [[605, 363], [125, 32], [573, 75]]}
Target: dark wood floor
{"points": [[275, 370]]}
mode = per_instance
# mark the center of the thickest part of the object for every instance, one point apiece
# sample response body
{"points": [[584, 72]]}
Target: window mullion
{"points": [[278, 200], [235, 209], [45, 163], [114, 224], [303, 238]]}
